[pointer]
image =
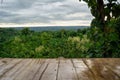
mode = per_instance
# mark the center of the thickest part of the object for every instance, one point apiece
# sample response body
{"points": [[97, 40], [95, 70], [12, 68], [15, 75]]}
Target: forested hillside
{"points": [[29, 44]]}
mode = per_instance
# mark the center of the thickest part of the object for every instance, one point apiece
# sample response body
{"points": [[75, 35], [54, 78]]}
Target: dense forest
{"points": [[86, 42], [102, 39]]}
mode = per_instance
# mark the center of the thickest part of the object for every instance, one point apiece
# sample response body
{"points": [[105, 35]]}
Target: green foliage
{"points": [[71, 44], [25, 31], [102, 11], [105, 46], [105, 31], [29, 44]]}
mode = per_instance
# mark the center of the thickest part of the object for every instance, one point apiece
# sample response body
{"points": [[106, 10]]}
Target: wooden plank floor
{"points": [[60, 69]]}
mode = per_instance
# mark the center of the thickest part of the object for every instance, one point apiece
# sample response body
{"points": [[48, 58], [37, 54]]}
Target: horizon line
{"points": [[45, 26]]}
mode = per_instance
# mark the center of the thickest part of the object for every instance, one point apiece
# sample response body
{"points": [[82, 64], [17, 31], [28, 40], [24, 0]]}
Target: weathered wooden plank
{"points": [[22, 69], [16, 71], [9, 75], [63, 69], [24, 72], [47, 70], [82, 70], [4, 69], [66, 70], [51, 71], [113, 65], [5, 61], [39, 74], [99, 70], [13, 72], [33, 70]]}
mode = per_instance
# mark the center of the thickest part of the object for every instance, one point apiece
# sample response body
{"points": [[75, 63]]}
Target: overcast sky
{"points": [[44, 13]]}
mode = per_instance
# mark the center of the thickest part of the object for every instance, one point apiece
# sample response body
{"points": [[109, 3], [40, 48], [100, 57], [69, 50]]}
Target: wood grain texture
{"points": [[60, 69]]}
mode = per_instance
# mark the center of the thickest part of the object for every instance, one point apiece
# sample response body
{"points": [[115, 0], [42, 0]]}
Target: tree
{"points": [[103, 12], [25, 31], [107, 16]]}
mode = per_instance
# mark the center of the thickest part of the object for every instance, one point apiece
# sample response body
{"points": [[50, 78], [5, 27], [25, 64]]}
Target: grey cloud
{"points": [[76, 7], [43, 11], [64, 18], [17, 4], [6, 14], [22, 19], [51, 1]]}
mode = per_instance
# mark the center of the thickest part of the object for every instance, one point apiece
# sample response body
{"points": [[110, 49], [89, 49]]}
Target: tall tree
{"points": [[103, 11]]}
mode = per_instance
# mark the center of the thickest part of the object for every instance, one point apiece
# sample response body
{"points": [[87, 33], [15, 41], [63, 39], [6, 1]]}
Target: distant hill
{"points": [[53, 28]]}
